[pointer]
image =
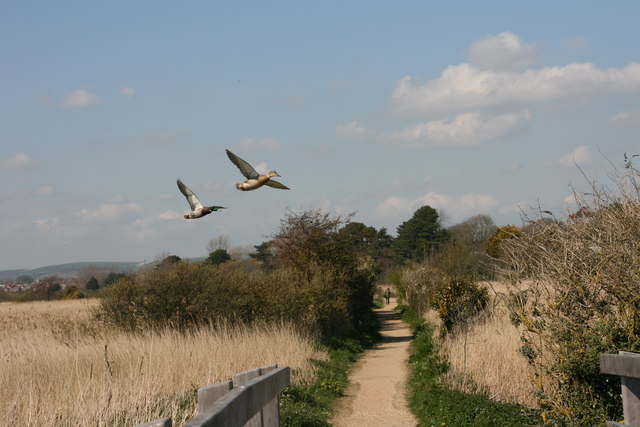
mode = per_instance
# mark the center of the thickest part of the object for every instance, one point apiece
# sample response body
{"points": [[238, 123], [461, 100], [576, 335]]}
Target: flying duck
{"points": [[254, 179], [197, 209]]}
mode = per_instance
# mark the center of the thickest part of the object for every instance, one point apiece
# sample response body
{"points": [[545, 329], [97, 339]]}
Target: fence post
{"points": [[271, 411], [255, 392], [626, 365], [239, 406], [243, 378], [207, 395]]}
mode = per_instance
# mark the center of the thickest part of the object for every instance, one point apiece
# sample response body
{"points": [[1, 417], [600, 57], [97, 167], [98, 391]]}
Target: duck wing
{"points": [[247, 170], [276, 184], [193, 200]]}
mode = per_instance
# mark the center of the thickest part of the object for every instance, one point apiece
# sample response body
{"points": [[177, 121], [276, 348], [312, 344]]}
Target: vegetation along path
{"points": [[377, 385]]}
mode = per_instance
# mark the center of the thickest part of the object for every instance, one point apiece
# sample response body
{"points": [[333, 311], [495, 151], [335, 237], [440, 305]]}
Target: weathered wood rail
{"points": [[251, 399], [626, 365]]}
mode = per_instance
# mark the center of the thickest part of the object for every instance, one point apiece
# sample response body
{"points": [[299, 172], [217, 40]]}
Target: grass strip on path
{"points": [[436, 405]]}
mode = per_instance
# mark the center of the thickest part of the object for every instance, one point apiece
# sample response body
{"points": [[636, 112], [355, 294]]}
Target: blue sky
{"points": [[370, 107]]}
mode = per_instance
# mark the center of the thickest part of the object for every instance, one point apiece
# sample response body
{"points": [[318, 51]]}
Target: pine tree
{"points": [[420, 236]]}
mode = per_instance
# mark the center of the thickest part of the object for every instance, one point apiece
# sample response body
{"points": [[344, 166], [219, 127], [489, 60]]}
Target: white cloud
{"points": [[503, 52], [142, 229], [170, 215], [394, 206], [79, 98], [580, 156], [570, 199], [142, 234], [128, 91], [164, 196], [353, 130], [45, 190], [20, 160], [465, 130], [515, 207], [464, 87], [265, 143], [512, 167], [457, 207], [54, 228], [578, 43], [108, 212], [631, 118]]}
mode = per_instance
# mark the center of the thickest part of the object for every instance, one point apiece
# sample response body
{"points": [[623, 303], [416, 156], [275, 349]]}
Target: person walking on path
{"points": [[376, 395], [387, 295]]}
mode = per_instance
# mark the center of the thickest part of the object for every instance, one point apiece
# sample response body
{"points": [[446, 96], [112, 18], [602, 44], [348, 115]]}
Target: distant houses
{"points": [[12, 286]]}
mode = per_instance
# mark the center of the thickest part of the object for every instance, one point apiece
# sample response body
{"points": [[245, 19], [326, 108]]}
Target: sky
{"points": [[373, 108]]}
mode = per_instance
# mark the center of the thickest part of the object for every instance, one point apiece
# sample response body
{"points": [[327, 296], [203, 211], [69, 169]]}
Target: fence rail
{"points": [[626, 365], [251, 399]]}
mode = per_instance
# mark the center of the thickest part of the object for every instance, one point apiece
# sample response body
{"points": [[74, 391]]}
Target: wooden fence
{"points": [[251, 399], [626, 365]]}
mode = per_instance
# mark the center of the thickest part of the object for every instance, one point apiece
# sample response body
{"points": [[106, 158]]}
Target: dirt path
{"points": [[377, 385]]}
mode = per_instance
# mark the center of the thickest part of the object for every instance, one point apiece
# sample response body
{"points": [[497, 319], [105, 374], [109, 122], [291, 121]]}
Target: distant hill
{"points": [[69, 270]]}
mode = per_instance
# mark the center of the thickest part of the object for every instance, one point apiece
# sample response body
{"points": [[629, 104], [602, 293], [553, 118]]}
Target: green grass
{"points": [[436, 405], [311, 405]]}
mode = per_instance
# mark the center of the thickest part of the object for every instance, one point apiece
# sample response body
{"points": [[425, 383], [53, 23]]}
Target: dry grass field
{"points": [[59, 367], [486, 358]]}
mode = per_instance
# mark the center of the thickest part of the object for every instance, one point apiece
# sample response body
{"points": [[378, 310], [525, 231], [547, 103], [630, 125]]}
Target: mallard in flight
{"points": [[197, 209], [254, 179]]}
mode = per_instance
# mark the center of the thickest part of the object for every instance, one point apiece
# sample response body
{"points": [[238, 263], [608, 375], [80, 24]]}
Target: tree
{"points": [[24, 279], [420, 236], [475, 230], [219, 242], [263, 254], [113, 278], [367, 240], [464, 255], [218, 257], [169, 261], [92, 284], [307, 239], [47, 288]]}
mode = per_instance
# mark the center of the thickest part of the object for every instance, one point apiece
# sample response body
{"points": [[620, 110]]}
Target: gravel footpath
{"points": [[377, 384]]}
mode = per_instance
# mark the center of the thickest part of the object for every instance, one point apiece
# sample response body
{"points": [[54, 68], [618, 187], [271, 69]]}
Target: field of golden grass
{"points": [[486, 356], [60, 367]]}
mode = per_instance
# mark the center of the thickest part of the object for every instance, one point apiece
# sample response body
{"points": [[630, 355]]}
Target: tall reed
{"points": [[485, 356], [58, 366]]}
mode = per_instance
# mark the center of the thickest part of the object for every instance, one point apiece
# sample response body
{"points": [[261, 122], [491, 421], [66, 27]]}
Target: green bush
{"points": [[185, 294], [72, 292], [417, 284], [457, 301], [496, 242]]}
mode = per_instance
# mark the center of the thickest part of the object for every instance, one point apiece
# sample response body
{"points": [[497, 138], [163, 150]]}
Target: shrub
{"points": [[92, 284], [417, 284], [501, 235], [186, 294], [72, 292], [583, 299], [457, 301]]}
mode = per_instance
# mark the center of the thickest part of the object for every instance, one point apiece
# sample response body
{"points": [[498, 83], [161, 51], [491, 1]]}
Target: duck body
{"points": [[198, 210], [254, 179]]}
